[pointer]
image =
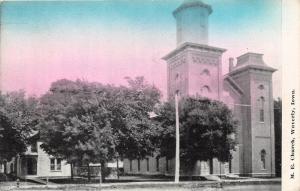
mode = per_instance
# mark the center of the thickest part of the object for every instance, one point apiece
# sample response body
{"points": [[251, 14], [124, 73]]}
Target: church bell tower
{"points": [[192, 22], [194, 67]]}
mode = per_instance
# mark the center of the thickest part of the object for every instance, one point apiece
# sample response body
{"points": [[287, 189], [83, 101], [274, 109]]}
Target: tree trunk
{"points": [[72, 173], [103, 170], [118, 169], [89, 173], [5, 167], [211, 166]]}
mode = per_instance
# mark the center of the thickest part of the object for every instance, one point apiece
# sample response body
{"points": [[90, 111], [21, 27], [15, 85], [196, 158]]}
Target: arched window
{"points": [[177, 76], [263, 158], [205, 72], [205, 90], [261, 87], [178, 93], [261, 109]]}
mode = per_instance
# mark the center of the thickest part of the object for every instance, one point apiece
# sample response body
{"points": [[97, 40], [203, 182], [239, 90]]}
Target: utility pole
{"points": [[100, 178], [177, 157]]}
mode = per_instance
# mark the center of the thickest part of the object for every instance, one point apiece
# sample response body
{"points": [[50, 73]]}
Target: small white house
{"points": [[36, 163]]}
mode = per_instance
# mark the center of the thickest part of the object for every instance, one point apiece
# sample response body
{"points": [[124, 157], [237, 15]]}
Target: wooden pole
{"points": [[100, 177], [118, 169], [177, 158]]}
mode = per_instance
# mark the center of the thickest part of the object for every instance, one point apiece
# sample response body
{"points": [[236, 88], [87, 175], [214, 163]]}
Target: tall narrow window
{"points": [[58, 164], [34, 147], [177, 76], [52, 164], [147, 160], [230, 166], [11, 167], [263, 159], [139, 165], [211, 166], [205, 91], [261, 109], [167, 164], [130, 165], [157, 163]]}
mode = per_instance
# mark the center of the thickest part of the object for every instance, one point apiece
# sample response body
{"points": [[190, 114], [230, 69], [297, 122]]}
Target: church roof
{"points": [[251, 60], [234, 84], [192, 3]]}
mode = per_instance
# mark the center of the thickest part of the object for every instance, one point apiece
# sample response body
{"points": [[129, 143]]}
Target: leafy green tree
{"points": [[207, 130], [18, 119], [137, 134], [89, 122], [21, 111], [76, 124], [12, 142]]}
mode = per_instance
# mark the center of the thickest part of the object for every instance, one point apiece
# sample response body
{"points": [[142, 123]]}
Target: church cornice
{"points": [[263, 68], [187, 45]]}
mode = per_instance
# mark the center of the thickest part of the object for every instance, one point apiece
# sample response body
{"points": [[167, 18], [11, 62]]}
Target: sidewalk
{"points": [[152, 185]]}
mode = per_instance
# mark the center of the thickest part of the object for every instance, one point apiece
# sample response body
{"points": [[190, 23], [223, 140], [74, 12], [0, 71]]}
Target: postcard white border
{"points": [[291, 81]]}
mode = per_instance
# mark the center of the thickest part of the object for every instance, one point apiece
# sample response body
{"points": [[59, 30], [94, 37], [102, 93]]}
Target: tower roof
{"points": [[251, 60], [192, 3]]}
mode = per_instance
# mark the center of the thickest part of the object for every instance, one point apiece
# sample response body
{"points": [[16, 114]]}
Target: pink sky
{"points": [[107, 52]]}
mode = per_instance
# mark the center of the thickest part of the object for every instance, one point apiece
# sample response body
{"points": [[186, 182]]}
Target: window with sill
{"points": [[55, 164], [263, 159], [261, 109]]}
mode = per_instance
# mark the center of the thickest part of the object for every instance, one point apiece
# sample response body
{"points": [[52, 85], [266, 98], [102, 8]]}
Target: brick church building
{"points": [[194, 67]]}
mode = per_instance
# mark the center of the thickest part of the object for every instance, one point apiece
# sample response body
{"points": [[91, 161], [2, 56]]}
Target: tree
{"points": [[12, 142], [137, 134], [89, 122], [278, 134], [18, 118], [207, 130], [75, 122]]}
